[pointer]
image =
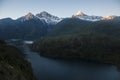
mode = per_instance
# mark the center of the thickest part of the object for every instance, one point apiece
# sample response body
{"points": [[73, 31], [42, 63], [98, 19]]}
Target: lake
{"points": [[55, 69]]}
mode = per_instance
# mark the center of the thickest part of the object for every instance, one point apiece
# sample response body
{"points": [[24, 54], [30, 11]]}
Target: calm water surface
{"points": [[51, 69]]}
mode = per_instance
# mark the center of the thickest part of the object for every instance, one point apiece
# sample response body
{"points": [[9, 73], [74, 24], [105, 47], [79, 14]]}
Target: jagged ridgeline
{"points": [[12, 64], [28, 27], [88, 40], [32, 27]]}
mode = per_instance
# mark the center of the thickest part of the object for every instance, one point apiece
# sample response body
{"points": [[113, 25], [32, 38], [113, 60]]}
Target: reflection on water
{"points": [[50, 69]]}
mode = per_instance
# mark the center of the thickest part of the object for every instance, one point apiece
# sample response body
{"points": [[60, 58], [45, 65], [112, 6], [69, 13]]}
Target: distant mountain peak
{"points": [[44, 13], [109, 17], [29, 13], [29, 16], [84, 16], [43, 16], [80, 13], [51, 19]]}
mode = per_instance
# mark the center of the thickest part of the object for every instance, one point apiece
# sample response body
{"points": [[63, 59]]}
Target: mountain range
{"points": [[84, 37], [84, 16], [43, 16], [33, 27]]}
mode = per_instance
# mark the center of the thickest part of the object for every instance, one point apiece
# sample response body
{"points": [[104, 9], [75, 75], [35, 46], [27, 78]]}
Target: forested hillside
{"points": [[75, 38], [13, 66]]}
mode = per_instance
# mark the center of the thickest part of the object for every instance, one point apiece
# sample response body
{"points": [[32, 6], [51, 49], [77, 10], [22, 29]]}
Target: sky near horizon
{"points": [[61, 8]]}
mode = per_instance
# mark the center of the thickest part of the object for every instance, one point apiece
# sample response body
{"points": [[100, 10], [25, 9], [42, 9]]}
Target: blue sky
{"points": [[61, 8]]}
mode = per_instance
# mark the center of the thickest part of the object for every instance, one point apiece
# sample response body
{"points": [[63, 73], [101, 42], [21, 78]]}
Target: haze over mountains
{"points": [[33, 27]]}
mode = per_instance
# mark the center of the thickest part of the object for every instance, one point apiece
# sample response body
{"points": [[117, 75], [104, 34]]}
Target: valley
{"points": [[80, 47]]}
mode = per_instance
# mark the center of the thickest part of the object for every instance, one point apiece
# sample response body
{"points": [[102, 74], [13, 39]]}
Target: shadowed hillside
{"points": [[12, 64], [75, 38]]}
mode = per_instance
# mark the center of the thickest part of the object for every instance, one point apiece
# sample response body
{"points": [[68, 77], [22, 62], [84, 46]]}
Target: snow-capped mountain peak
{"points": [[48, 17], [109, 17], [83, 16], [80, 13], [29, 16], [44, 14]]}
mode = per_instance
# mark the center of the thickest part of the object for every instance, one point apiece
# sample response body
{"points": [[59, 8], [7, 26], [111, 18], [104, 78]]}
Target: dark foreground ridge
{"points": [[12, 64]]}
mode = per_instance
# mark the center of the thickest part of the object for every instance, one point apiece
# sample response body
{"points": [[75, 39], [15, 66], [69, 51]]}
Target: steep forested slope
{"points": [[12, 64]]}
